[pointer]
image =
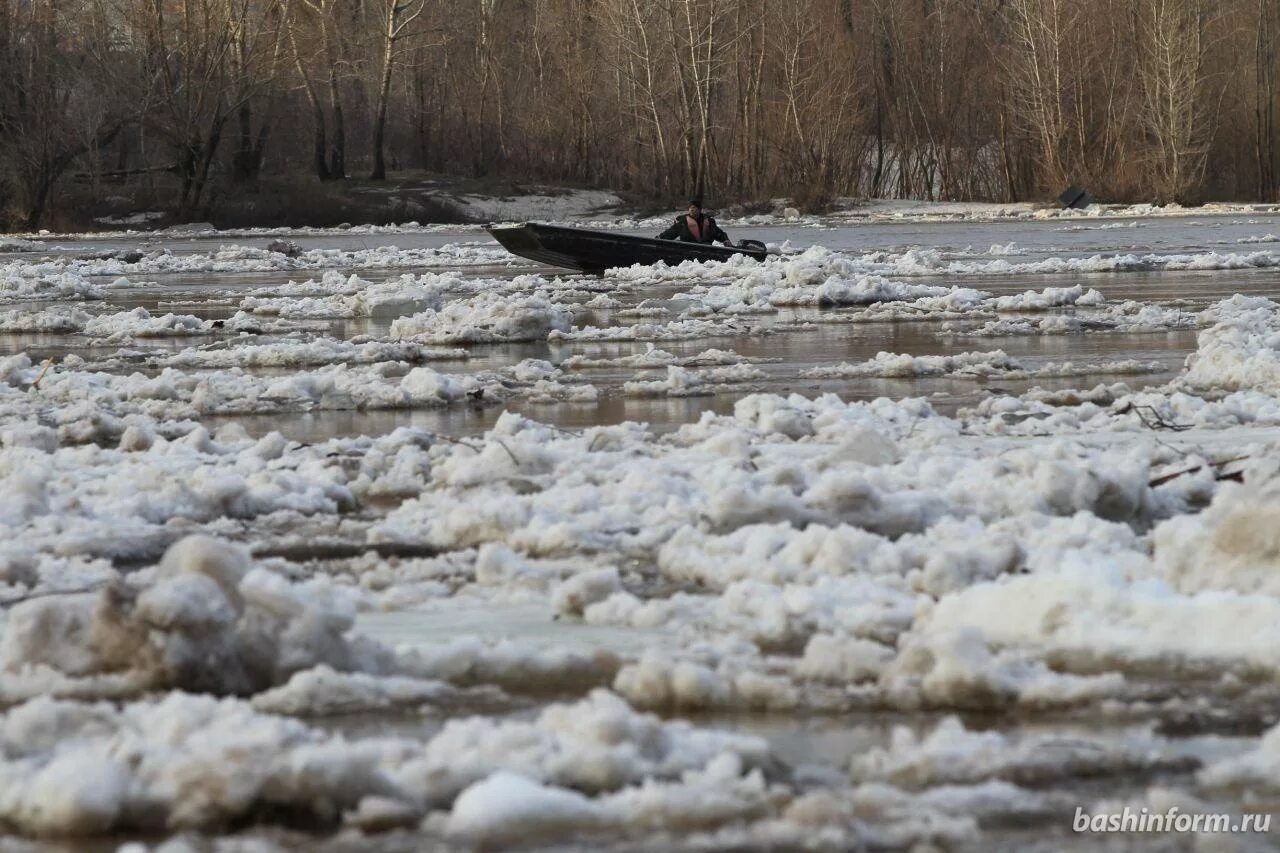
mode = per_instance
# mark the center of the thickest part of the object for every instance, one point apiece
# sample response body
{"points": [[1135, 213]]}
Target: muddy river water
{"points": [[861, 759], [788, 343]]}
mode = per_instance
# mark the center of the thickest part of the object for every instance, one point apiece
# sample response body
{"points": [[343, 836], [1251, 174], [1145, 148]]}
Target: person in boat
{"points": [[694, 226]]}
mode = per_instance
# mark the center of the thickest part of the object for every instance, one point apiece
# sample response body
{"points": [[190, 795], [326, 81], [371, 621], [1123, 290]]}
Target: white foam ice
{"points": [[197, 762], [1040, 552], [822, 276], [203, 619], [654, 358], [1241, 350], [241, 259], [177, 394], [338, 296], [486, 317], [1253, 775], [675, 330], [996, 363], [314, 352], [951, 755], [682, 382], [1050, 297], [162, 480], [1126, 317], [125, 326], [53, 320], [20, 281]]}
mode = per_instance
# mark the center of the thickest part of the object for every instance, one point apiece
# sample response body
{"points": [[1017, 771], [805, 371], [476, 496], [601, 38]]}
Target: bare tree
{"points": [[51, 112], [256, 28], [397, 16], [696, 44], [1039, 31], [1266, 90], [329, 139], [957, 99], [814, 100], [197, 66], [643, 85], [1174, 108]]}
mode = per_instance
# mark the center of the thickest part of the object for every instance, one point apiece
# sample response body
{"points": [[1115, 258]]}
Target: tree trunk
{"points": [[318, 144], [317, 113], [39, 198], [421, 124], [247, 162], [187, 168], [380, 118], [1265, 142], [338, 147], [210, 149]]}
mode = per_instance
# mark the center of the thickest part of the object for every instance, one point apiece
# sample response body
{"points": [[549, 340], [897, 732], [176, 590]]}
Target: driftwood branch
{"points": [[1219, 475], [1152, 419]]}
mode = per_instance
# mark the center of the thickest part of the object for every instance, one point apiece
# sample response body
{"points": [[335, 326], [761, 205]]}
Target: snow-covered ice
{"points": [[485, 318], [647, 559]]}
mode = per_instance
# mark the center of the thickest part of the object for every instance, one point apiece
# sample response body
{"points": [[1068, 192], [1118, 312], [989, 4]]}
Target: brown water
{"points": [[809, 745], [786, 352]]}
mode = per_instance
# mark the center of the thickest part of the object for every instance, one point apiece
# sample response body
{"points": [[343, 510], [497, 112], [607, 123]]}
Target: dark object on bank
{"points": [[1075, 197], [596, 251]]}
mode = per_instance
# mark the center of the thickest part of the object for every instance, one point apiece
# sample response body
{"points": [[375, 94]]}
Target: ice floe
{"points": [[484, 318], [970, 364], [1075, 558]]}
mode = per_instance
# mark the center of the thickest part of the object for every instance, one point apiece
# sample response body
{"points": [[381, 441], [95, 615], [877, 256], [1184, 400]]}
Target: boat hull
{"points": [[596, 251]]}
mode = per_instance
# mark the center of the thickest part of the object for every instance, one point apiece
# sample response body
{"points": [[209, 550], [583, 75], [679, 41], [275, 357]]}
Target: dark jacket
{"points": [[680, 230]]}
